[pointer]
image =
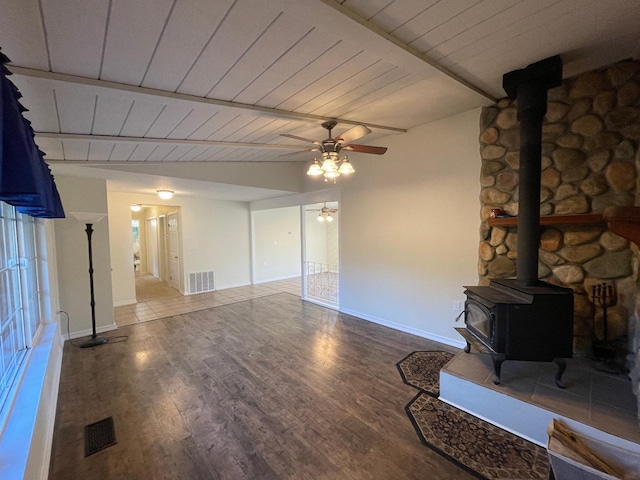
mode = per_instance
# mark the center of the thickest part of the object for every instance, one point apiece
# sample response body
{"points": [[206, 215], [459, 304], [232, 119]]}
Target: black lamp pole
{"points": [[94, 340]]}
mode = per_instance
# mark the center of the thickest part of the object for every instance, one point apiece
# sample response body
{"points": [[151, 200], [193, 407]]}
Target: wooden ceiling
{"points": [[204, 81]]}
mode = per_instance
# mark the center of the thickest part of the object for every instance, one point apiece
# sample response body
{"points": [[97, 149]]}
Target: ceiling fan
{"points": [[325, 213], [332, 165], [342, 142]]}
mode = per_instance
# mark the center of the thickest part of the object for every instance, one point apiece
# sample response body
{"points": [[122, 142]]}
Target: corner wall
{"points": [[83, 195]]}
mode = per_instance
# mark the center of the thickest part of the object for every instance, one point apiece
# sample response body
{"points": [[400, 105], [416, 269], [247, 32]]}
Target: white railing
{"points": [[321, 282]]}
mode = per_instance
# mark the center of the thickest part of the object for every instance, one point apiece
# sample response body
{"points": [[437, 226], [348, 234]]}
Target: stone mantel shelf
{"points": [[581, 219], [623, 221]]}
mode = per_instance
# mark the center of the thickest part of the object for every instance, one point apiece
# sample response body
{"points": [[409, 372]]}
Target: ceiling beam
{"points": [[406, 48], [122, 87], [173, 141], [93, 163]]}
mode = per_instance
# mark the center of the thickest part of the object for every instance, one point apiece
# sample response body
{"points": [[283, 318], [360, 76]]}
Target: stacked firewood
{"points": [[559, 431]]}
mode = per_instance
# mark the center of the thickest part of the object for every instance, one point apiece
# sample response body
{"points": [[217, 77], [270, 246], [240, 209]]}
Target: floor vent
{"points": [[201, 282], [99, 436]]}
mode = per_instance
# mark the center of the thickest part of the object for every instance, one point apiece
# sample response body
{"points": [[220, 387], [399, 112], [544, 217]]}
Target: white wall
{"points": [[409, 228], [122, 273], [276, 244], [83, 195], [216, 236], [315, 236]]}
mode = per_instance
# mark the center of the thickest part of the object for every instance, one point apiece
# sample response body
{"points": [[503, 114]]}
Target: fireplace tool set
{"points": [[604, 296]]}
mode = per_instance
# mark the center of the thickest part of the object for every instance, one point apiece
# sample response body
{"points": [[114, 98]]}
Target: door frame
{"points": [[178, 281], [303, 238], [152, 247], [298, 200]]}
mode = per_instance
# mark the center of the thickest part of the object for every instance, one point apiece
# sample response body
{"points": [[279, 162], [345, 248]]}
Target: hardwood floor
{"points": [[161, 301], [268, 388]]}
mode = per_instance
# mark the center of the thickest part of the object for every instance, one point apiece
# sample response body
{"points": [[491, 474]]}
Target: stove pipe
{"points": [[530, 86]]}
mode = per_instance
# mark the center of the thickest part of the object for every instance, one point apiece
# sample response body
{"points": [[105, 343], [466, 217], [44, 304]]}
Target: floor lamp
{"points": [[89, 219]]}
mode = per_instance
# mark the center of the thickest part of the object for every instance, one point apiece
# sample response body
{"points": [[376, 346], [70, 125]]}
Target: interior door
{"points": [[174, 255], [163, 251], [152, 247]]}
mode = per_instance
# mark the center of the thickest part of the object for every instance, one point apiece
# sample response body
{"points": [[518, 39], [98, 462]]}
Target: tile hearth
{"points": [[594, 402]]}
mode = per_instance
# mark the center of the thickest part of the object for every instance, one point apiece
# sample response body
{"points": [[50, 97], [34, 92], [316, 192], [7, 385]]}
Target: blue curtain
{"points": [[25, 179]]}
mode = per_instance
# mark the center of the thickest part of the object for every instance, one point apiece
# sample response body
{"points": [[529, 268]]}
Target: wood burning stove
{"points": [[515, 322], [524, 318]]}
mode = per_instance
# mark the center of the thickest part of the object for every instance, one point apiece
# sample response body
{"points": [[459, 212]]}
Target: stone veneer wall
{"points": [[590, 161]]}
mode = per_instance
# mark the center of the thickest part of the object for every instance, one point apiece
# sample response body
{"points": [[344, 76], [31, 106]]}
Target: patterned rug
{"points": [[482, 449], [421, 370]]}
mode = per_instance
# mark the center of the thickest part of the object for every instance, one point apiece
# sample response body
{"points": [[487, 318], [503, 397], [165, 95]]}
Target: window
{"points": [[135, 230], [19, 293]]}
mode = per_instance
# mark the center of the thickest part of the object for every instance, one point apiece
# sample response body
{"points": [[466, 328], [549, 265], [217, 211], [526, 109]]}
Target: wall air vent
{"points": [[201, 282]]}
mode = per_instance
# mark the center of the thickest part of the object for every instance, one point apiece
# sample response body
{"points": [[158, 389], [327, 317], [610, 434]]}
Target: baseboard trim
{"points": [[122, 303], [88, 332], [405, 328], [233, 285], [275, 279]]}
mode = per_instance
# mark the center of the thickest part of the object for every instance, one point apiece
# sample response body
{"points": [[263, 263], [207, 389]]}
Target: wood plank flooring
{"points": [[269, 388]]}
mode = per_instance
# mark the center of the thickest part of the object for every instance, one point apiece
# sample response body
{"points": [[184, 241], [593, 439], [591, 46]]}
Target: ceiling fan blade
{"points": [[302, 139], [352, 134], [299, 152], [365, 149]]}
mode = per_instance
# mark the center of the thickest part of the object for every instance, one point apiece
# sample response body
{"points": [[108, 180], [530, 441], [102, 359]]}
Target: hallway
{"points": [[157, 300]]}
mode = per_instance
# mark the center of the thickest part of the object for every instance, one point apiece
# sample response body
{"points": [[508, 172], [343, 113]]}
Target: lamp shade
{"points": [[314, 169], [346, 167], [87, 217]]}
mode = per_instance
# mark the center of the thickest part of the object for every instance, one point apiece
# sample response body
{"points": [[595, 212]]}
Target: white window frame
{"points": [[26, 237]]}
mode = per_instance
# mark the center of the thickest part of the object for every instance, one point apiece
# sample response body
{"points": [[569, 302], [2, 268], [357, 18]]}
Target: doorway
{"points": [[156, 252], [321, 259]]}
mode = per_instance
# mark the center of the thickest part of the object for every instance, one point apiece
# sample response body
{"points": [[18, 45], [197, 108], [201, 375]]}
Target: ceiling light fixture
{"points": [[325, 214], [136, 207], [325, 217], [165, 194], [332, 166]]}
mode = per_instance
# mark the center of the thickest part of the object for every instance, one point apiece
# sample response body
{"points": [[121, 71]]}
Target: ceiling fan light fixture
{"points": [[329, 162], [165, 194], [320, 218], [345, 166], [136, 207], [330, 165], [329, 218], [315, 169]]}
